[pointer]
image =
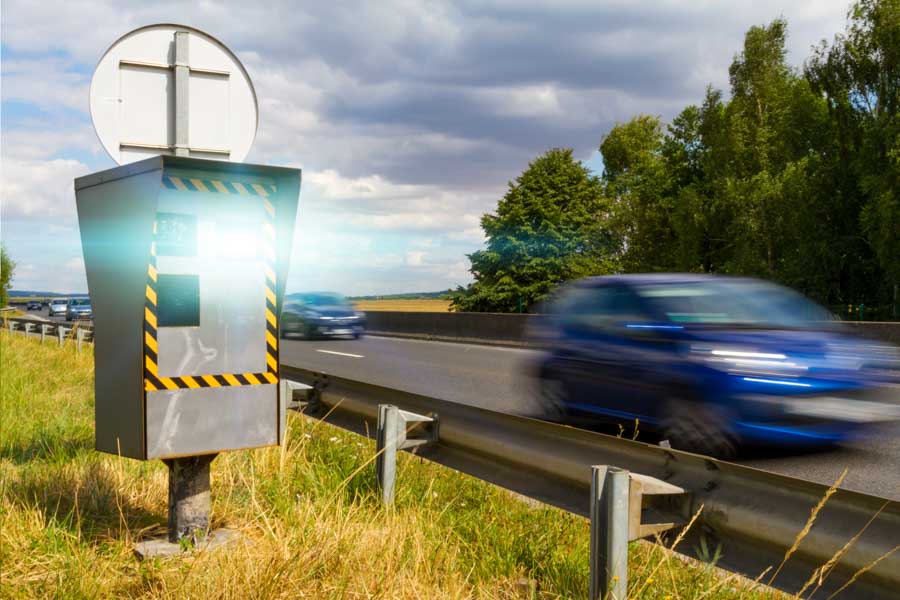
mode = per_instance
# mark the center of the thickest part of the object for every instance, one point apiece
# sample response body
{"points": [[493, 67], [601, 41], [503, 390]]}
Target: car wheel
{"points": [[698, 427]]}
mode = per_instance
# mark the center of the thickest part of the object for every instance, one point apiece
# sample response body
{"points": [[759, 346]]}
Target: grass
{"points": [[413, 305], [309, 513]]}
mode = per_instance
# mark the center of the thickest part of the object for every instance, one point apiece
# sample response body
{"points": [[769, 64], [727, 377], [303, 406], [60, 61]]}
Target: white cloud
{"points": [[76, 263], [415, 258], [45, 83], [39, 188]]}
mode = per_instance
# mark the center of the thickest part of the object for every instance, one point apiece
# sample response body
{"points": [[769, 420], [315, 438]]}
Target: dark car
{"points": [[712, 363], [321, 314], [79, 309], [33, 305]]}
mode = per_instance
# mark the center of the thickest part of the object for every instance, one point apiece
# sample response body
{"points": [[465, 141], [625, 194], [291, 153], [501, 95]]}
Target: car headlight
{"points": [[747, 361]]}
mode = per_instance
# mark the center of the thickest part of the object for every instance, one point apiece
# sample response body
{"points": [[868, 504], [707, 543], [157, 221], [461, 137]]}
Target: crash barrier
{"points": [[60, 332], [513, 329], [752, 519], [464, 327]]}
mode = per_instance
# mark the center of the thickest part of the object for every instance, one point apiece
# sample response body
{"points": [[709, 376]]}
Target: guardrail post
{"points": [[61, 334], [28, 327], [609, 533], [79, 335], [390, 436], [44, 330], [11, 325], [386, 445], [288, 388]]}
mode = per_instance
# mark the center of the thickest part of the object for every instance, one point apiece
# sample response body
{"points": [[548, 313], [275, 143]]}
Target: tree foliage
{"points": [[859, 75], [548, 228], [794, 176], [7, 268]]}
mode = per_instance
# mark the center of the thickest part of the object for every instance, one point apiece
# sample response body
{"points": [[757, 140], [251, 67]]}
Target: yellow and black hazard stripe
{"points": [[152, 380], [216, 186]]}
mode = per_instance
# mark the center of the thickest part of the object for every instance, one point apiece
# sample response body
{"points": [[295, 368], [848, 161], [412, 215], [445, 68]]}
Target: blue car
{"points": [[321, 314], [711, 363]]}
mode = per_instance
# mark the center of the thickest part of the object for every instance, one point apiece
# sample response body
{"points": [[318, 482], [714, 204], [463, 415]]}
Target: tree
{"points": [[859, 75], [636, 178], [7, 268], [550, 226]]}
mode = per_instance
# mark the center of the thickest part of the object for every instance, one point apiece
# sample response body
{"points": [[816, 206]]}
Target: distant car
{"points": [[321, 314], [57, 307], [712, 363], [78, 309], [33, 305]]}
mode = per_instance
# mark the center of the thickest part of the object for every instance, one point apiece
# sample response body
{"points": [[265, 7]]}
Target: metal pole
{"points": [[609, 533], [189, 498], [386, 446], [182, 98]]}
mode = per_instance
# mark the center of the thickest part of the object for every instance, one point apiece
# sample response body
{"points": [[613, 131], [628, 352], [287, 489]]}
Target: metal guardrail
{"points": [[76, 332], [751, 518]]}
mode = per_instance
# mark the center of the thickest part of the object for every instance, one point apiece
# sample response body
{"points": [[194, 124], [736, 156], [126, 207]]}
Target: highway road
{"points": [[43, 313], [493, 378]]}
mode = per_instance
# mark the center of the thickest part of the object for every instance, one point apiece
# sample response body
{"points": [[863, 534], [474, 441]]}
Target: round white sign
{"points": [[172, 89]]}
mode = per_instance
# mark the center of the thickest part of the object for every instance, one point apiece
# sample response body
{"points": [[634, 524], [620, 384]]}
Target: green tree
{"points": [[7, 268], [859, 75], [636, 177], [550, 226]]}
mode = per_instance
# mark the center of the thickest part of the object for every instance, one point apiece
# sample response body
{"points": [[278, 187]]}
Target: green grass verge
{"points": [[309, 513]]}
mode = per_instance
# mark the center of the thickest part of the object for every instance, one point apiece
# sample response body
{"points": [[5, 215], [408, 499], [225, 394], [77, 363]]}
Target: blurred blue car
{"points": [[321, 314], [712, 363]]}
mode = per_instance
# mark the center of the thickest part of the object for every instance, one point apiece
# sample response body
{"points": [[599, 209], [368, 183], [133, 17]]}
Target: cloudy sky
{"points": [[407, 118]]}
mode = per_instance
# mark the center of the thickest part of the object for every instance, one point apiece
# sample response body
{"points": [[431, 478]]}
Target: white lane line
{"points": [[340, 353]]}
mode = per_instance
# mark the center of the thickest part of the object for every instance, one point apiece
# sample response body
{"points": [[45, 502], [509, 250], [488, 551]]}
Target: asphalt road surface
{"points": [[494, 378], [44, 314]]}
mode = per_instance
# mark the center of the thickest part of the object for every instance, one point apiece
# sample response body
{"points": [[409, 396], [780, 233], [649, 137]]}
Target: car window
{"points": [[599, 307], [733, 302], [322, 299]]}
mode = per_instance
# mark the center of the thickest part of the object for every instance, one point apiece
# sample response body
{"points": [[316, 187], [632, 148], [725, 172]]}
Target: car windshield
{"points": [[58, 301], [322, 299], [80, 302], [737, 302]]}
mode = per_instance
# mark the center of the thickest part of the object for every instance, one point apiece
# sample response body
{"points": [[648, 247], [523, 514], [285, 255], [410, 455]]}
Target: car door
{"points": [[610, 354]]}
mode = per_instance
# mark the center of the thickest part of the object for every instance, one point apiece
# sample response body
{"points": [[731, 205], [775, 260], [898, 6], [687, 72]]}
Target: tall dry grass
{"points": [[308, 512]]}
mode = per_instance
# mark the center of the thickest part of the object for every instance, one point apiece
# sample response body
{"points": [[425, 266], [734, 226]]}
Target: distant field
{"points": [[423, 305]]}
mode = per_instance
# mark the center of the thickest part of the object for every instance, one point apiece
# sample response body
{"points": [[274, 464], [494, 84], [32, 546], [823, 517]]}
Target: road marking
{"points": [[340, 353]]}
